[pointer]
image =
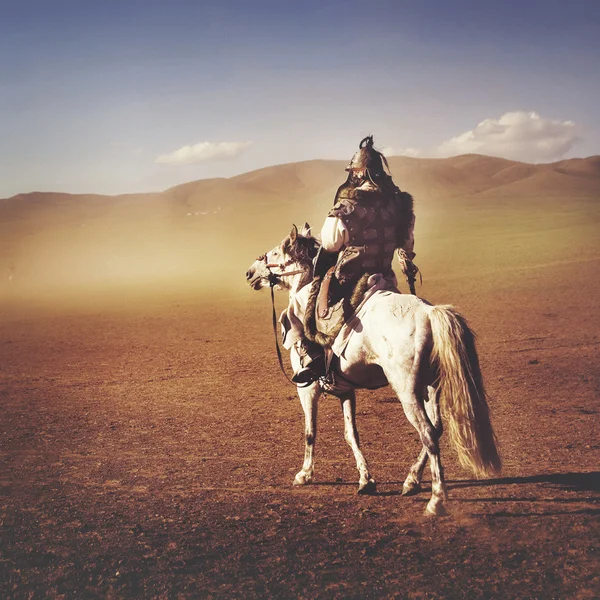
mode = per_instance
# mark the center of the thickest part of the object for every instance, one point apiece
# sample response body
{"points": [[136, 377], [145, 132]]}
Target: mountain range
{"points": [[211, 228]]}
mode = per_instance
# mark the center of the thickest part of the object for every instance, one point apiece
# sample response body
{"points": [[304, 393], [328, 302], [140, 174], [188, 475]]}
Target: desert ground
{"points": [[149, 442]]}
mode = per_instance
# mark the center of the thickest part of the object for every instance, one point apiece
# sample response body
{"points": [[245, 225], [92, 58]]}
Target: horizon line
{"points": [[299, 162]]}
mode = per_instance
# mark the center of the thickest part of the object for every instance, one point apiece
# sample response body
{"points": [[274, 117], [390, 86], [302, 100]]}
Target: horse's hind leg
{"points": [[412, 483], [366, 484], [406, 388], [309, 397], [435, 506]]}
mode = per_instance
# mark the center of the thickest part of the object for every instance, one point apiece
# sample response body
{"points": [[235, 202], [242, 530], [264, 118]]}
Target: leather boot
{"points": [[312, 361]]}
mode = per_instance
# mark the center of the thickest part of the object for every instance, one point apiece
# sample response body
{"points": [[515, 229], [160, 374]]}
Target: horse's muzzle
{"points": [[253, 279]]}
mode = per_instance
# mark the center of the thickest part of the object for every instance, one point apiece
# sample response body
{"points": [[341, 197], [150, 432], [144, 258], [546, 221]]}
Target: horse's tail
{"points": [[463, 400]]}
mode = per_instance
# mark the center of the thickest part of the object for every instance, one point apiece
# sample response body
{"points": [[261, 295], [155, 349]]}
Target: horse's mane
{"points": [[302, 250]]}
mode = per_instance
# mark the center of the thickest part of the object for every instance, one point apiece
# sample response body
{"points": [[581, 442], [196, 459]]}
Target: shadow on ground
{"points": [[579, 482]]}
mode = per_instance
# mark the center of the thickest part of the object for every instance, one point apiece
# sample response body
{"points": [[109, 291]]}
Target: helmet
{"points": [[368, 159]]}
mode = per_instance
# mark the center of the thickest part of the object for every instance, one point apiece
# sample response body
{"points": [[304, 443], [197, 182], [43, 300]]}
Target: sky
{"points": [[132, 96]]}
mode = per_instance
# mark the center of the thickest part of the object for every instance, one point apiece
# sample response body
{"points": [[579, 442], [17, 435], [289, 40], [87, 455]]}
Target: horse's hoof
{"points": [[370, 487], [436, 508], [302, 479], [411, 488]]}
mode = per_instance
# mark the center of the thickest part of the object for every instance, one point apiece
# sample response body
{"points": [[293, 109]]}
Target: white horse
{"points": [[426, 353]]}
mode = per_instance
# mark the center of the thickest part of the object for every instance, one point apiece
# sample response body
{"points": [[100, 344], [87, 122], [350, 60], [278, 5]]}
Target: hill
{"points": [[203, 233]]}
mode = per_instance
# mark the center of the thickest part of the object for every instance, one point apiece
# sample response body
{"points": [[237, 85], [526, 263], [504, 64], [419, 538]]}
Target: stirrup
{"points": [[311, 373], [304, 377]]}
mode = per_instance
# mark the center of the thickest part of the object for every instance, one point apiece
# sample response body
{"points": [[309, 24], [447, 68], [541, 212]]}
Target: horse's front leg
{"points": [[366, 484], [309, 398]]}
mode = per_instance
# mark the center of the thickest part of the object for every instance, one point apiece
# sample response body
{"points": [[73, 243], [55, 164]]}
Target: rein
{"points": [[273, 281], [277, 348]]}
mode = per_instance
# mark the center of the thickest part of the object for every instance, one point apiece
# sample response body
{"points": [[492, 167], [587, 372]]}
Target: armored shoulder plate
{"points": [[350, 212], [342, 209], [404, 201]]}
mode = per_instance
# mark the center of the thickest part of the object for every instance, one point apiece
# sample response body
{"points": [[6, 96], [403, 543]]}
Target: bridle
{"points": [[273, 279]]}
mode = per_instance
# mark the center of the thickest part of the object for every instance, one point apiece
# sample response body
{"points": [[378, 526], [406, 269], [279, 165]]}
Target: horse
{"points": [[426, 353]]}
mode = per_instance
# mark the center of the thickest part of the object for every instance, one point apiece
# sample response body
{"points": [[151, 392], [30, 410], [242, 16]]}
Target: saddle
{"points": [[330, 304]]}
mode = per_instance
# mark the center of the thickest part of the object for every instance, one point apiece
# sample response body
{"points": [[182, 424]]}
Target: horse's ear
{"points": [[306, 230], [293, 234]]}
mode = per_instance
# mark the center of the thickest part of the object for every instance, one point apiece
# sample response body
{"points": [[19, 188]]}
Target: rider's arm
{"points": [[334, 234], [406, 255], [409, 244]]}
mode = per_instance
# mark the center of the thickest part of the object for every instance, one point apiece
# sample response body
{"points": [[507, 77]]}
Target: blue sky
{"points": [[100, 96]]}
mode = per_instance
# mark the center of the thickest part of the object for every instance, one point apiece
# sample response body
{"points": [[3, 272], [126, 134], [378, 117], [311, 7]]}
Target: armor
{"points": [[370, 219], [377, 215]]}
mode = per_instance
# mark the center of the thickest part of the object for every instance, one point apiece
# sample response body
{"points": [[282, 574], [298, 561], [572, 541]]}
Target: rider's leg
{"points": [[312, 361]]}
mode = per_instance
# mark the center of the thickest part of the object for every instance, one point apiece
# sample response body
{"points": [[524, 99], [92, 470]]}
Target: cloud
{"points": [[519, 135], [391, 151], [203, 152]]}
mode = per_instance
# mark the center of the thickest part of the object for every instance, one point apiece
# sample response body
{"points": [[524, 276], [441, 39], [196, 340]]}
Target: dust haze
{"points": [[473, 212], [76, 250]]}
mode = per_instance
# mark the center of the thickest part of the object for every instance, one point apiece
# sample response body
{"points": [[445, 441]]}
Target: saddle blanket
{"points": [[377, 285], [292, 318]]}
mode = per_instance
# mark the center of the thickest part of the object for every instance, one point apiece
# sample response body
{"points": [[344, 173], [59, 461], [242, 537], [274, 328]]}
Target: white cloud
{"points": [[203, 152], [411, 152], [518, 135], [391, 151]]}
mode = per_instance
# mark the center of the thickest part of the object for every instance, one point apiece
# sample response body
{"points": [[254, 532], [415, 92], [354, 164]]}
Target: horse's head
{"points": [[290, 259]]}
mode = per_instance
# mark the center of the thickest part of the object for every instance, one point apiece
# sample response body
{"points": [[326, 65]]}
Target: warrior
{"points": [[370, 220]]}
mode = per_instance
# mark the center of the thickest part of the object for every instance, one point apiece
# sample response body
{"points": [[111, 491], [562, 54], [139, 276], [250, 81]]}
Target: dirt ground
{"points": [[144, 453]]}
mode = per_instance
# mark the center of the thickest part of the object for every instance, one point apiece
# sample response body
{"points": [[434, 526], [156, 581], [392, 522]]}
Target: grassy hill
{"points": [[488, 213]]}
